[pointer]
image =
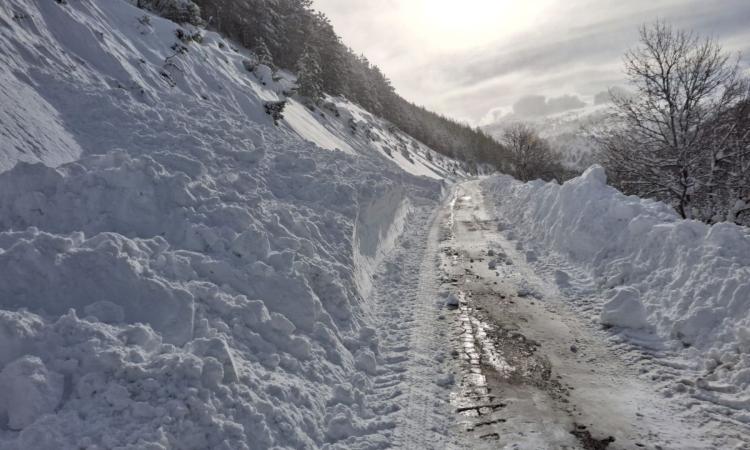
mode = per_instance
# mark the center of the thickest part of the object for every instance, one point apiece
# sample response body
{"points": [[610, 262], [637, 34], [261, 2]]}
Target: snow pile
{"points": [[680, 279], [185, 311], [197, 278]]}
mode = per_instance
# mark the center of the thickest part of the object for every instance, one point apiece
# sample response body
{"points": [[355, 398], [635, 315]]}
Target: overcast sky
{"points": [[468, 58]]}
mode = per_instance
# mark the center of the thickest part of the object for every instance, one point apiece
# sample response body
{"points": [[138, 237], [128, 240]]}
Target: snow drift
{"points": [[177, 271], [683, 280]]}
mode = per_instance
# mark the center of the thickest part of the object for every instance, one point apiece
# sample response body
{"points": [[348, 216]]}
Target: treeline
{"points": [[289, 34]]}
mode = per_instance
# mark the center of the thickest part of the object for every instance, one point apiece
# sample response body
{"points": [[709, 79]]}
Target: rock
{"points": [[452, 301]]}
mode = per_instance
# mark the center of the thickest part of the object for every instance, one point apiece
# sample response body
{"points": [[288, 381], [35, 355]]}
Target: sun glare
{"points": [[455, 25]]}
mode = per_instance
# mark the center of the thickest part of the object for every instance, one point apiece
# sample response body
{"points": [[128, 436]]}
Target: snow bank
{"points": [[195, 277], [191, 305], [680, 279]]}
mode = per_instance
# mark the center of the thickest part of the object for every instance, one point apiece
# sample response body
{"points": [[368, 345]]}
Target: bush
{"points": [[249, 65], [275, 110], [180, 11]]}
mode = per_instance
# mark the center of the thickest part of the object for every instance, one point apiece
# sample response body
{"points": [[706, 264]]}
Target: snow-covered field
{"points": [[676, 287], [175, 270]]}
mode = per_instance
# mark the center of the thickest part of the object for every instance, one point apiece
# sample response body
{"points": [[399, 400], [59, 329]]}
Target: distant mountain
{"points": [[568, 132]]}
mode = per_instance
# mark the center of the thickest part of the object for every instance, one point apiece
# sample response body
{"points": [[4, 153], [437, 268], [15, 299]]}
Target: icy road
{"points": [[481, 350]]}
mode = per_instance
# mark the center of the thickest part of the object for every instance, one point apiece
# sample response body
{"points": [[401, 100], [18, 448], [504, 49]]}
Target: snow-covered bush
{"points": [[187, 37], [275, 110], [406, 154], [180, 11], [330, 106]]}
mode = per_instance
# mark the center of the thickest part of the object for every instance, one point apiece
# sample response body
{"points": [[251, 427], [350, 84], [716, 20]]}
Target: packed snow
{"points": [[680, 281], [179, 271]]}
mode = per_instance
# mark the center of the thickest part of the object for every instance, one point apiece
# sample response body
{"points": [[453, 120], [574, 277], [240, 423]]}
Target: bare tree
{"points": [[669, 142], [727, 189], [530, 155]]}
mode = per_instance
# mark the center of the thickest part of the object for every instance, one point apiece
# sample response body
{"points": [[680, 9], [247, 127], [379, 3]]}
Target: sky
{"points": [[474, 59]]}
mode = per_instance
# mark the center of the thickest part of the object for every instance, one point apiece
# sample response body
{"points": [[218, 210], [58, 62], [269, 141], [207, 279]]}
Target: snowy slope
{"points": [[178, 272], [675, 286], [49, 54]]}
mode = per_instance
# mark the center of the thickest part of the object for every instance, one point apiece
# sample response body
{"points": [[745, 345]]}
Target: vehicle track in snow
{"points": [[533, 372], [514, 365], [410, 392]]}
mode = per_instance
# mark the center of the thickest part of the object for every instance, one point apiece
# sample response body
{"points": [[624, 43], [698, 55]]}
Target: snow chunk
{"points": [[625, 309], [107, 275], [29, 390], [595, 175]]}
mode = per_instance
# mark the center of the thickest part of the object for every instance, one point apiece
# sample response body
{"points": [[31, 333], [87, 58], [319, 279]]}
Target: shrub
{"points": [[180, 11], [275, 110]]}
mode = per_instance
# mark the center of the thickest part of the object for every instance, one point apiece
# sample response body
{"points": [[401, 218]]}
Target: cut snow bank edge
{"points": [[378, 225]]}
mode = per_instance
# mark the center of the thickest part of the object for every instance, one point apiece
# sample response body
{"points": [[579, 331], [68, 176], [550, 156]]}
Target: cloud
{"points": [[575, 47], [539, 105], [564, 103]]}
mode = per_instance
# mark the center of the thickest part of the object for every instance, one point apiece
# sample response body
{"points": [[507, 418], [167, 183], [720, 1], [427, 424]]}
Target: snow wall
{"points": [[682, 280], [378, 225]]}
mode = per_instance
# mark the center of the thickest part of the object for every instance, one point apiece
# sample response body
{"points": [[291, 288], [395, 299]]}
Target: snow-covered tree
{"points": [[263, 53], [676, 137], [309, 76]]}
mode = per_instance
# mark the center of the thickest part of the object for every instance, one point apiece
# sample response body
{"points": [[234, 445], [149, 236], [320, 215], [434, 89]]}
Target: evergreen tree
{"points": [[263, 53], [309, 76], [332, 54]]}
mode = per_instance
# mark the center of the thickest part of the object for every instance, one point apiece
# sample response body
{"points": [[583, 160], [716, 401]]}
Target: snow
{"points": [[29, 391], [378, 225], [19, 141], [373, 134], [683, 281], [306, 126], [178, 272], [625, 309]]}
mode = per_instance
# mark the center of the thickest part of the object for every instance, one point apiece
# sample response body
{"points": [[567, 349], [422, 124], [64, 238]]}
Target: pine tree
{"points": [[332, 54], [309, 76], [263, 53]]}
